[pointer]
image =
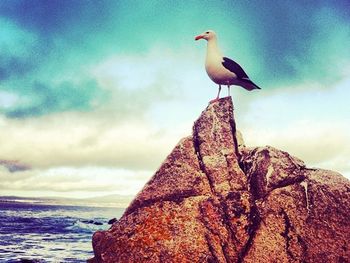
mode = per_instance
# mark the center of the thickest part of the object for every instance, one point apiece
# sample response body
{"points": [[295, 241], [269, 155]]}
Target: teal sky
{"points": [[95, 94]]}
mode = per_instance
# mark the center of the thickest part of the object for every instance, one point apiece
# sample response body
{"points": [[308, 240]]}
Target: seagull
{"points": [[222, 70]]}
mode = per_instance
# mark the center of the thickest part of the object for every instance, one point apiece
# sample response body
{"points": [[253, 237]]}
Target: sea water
{"points": [[50, 233]]}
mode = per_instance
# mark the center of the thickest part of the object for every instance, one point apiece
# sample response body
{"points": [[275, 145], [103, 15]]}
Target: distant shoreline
{"points": [[65, 202], [24, 203]]}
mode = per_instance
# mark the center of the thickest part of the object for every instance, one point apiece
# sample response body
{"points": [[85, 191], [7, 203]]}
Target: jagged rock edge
{"points": [[235, 143], [257, 220], [254, 216], [196, 145], [288, 228], [254, 219]]}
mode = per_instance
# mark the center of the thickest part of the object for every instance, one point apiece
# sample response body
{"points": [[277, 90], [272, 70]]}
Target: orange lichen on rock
{"points": [[213, 200]]}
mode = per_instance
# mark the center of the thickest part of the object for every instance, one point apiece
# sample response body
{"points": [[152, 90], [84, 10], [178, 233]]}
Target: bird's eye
{"points": [[207, 32]]}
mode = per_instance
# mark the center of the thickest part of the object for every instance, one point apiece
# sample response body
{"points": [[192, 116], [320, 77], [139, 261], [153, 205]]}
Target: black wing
{"points": [[235, 68]]}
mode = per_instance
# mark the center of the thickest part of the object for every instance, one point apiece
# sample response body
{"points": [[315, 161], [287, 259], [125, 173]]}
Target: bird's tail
{"points": [[248, 84]]}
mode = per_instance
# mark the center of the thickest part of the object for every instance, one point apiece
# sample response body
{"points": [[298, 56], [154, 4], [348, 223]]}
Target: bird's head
{"points": [[207, 35]]}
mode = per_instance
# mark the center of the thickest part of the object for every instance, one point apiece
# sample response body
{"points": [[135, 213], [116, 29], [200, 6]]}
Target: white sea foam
{"points": [[50, 233]]}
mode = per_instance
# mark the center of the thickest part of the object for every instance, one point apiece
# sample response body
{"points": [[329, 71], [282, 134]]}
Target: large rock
{"points": [[214, 200], [303, 212]]}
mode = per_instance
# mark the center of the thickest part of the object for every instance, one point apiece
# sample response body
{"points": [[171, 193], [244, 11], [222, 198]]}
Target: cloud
{"points": [[31, 85], [73, 182], [300, 41], [322, 145], [89, 89], [16, 41], [133, 84], [14, 166], [39, 99], [127, 84], [129, 117], [80, 140], [16, 50], [310, 123], [327, 55], [8, 99], [12, 66]]}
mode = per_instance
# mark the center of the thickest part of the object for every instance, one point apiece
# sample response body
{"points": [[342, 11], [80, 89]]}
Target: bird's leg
{"points": [[217, 97], [228, 86]]}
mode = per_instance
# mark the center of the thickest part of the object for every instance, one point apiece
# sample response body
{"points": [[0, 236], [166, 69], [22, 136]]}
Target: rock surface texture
{"points": [[214, 200]]}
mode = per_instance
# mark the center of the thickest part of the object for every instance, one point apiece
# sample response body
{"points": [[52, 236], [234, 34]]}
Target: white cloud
{"points": [[7, 99], [310, 123], [73, 182], [77, 140], [175, 74], [117, 147], [133, 131]]}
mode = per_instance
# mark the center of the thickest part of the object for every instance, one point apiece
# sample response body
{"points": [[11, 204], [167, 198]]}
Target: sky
{"points": [[95, 94]]}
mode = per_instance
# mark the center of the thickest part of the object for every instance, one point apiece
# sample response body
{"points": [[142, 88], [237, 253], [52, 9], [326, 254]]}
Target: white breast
{"points": [[218, 73], [213, 65]]}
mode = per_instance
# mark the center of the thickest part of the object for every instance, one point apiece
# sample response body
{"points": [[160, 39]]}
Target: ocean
{"points": [[50, 233]]}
